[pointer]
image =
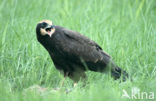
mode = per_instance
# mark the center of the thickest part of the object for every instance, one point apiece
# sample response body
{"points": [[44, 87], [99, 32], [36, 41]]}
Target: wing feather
{"points": [[80, 46]]}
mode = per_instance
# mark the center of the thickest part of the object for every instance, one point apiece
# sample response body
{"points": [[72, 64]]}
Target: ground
{"points": [[126, 29]]}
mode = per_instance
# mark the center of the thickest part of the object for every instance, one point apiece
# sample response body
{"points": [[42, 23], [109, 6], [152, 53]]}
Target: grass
{"points": [[126, 29]]}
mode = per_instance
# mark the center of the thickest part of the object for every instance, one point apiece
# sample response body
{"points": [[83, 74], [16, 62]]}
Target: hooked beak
{"points": [[49, 29]]}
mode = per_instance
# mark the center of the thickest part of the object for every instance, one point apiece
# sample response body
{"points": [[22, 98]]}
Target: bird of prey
{"points": [[73, 53]]}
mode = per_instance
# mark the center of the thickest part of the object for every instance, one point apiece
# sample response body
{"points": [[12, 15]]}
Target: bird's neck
{"points": [[46, 42]]}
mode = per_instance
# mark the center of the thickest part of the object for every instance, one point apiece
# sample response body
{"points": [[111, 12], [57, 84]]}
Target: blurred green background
{"points": [[126, 29]]}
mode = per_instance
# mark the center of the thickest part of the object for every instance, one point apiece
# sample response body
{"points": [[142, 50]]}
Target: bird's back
{"points": [[72, 50]]}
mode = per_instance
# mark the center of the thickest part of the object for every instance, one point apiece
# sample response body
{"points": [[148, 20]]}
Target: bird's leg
{"points": [[63, 82], [65, 75], [75, 84], [77, 76]]}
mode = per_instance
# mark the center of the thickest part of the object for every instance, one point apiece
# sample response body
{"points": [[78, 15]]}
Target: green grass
{"points": [[126, 29]]}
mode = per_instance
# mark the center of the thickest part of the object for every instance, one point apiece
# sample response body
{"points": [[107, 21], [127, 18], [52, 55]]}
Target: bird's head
{"points": [[45, 28]]}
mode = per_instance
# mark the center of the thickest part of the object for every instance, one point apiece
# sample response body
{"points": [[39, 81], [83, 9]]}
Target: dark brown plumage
{"points": [[73, 53]]}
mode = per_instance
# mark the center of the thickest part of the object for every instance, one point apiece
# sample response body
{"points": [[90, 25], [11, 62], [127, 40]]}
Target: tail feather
{"points": [[117, 73]]}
